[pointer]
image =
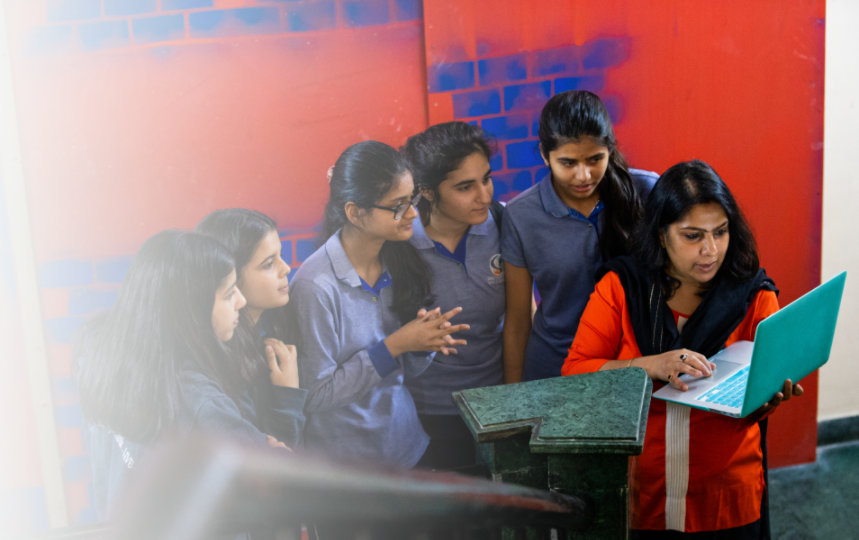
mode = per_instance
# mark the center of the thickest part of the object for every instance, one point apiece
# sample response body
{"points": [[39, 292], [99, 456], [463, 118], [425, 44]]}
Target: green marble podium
{"points": [[570, 435]]}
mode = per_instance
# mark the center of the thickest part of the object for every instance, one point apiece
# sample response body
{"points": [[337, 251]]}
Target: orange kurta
{"points": [[715, 460]]}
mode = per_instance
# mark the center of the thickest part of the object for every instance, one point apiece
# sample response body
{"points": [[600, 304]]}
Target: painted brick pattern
{"points": [[95, 25], [504, 93]]}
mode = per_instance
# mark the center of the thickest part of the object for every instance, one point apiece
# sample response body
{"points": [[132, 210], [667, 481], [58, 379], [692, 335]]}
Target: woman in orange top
{"points": [[694, 286]]}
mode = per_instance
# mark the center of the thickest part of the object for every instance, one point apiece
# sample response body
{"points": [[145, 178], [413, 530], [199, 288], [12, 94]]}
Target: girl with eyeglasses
{"points": [[358, 315]]}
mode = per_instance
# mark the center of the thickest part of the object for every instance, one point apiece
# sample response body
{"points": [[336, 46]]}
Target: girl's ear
{"points": [[544, 156], [354, 214]]}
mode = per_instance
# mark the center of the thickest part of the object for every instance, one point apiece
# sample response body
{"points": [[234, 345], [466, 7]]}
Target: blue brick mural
{"points": [[72, 10], [63, 329], [167, 5], [447, 77], [523, 154], [408, 10], [51, 39], [234, 22], [67, 273], [523, 82], [365, 12], [90, 301], [112, 270], [605, 53], [496, 162], [114, 8], [304, 248], [594, 83], [477, 103], [104, 34], [502, 70], [522, 180], [508, 127], [500, 189], [556, 61], [321, 15], [123, 23], [527, 97], [159, 28]]}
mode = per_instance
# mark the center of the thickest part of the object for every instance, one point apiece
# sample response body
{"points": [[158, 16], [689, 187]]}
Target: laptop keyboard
{"points": [[729, 392]]}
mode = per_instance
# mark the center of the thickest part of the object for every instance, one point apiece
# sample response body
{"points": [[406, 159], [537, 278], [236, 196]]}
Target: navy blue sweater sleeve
{"points": [[282, 414], [207, 408]]}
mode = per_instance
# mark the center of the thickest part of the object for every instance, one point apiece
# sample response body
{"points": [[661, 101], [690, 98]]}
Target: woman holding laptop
{"points": [[693, 287]]}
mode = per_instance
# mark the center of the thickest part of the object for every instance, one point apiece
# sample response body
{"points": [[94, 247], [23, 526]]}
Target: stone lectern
{"points": [[570, 435]]}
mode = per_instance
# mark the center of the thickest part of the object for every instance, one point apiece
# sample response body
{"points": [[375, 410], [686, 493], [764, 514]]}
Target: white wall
{"points": [[839, 377]]}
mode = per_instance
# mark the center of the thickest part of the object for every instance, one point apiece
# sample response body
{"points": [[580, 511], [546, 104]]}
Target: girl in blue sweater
{"points": [[359, 315], [155, 366]]}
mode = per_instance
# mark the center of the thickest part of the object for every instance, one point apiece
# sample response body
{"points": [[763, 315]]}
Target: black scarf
{"points": [[723, 308]]}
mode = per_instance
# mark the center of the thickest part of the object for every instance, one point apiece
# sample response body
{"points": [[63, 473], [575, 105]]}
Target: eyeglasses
{"points": [[401, 209]]}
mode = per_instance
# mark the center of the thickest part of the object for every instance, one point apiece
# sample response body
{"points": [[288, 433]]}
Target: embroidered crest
{"points": [[495, 265]]}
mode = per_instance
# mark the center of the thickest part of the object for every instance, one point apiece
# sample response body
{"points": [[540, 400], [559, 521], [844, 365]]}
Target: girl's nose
{"points": [[412, 212], [486, 192]]}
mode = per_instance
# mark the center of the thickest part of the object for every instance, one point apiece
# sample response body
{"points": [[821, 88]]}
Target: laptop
{"points": [[789, 344]]}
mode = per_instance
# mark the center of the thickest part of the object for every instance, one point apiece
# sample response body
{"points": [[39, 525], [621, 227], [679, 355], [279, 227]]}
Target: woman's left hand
{"points": [[788, 390]]}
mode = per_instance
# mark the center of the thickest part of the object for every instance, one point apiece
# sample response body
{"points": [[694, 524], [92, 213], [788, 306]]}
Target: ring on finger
{"points": [[670, 376], [683, 358]]}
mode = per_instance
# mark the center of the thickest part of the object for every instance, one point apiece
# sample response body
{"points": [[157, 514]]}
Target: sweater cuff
{"points": [[382, 359], [289, 398]]}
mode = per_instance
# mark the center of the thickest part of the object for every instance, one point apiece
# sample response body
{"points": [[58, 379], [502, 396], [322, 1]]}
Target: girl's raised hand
{"points": [[430, 331], [282, 362]]}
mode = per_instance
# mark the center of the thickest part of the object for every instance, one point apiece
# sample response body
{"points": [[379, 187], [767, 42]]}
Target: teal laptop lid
{"points": [[793, 342], [789, 344]]}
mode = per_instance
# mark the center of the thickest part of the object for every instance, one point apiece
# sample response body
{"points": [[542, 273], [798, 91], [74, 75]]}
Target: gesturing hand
{"points": [[430, 331], [282, 363]]}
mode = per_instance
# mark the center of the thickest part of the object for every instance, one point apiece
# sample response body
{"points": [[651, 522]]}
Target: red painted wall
{"points": [[738, 84], [131, 122]]}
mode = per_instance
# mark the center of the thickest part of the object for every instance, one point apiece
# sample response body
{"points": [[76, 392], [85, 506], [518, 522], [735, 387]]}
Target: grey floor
{"points": [[818, 500]]}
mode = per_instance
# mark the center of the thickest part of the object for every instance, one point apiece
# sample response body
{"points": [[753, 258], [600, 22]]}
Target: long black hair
{"points": [[241, 230], [160, 324], [363, 174], [681, 187], [440, 150], [571, 116]]}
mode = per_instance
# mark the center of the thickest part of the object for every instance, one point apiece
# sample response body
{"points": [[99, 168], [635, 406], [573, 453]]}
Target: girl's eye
{"points": [[268, 265], [721, 232], [464, 188], [692, 236]]}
